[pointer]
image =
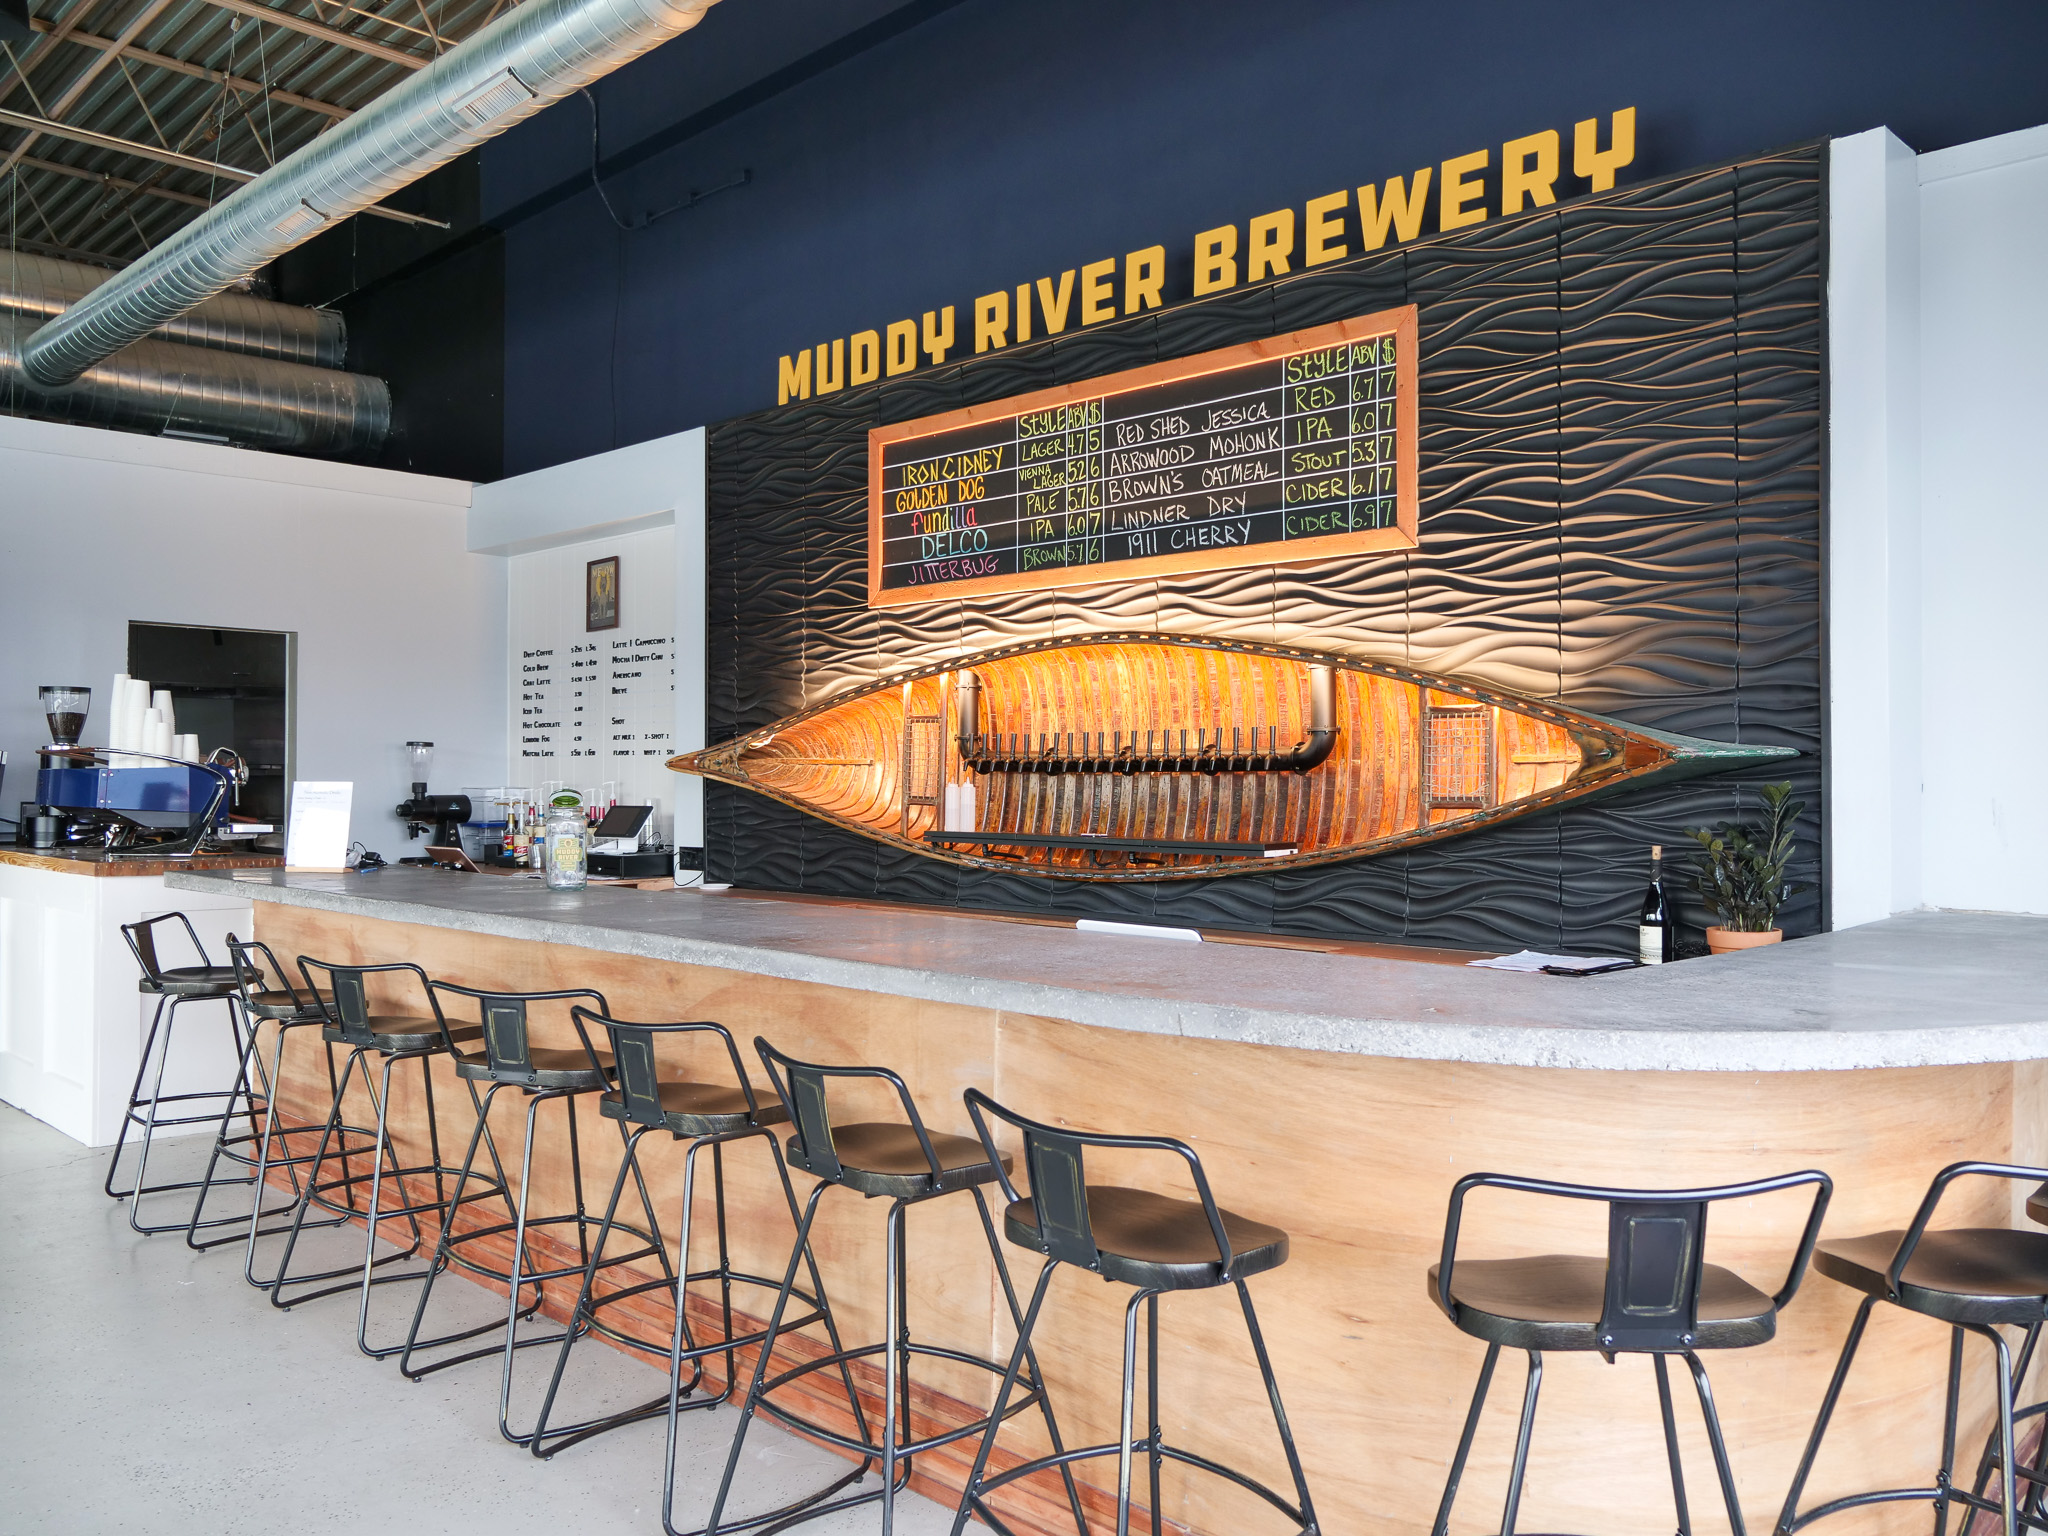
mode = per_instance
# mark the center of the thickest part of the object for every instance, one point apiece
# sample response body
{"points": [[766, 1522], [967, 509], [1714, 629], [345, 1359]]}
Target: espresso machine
{"points": [[128, 803], [444, 814]]}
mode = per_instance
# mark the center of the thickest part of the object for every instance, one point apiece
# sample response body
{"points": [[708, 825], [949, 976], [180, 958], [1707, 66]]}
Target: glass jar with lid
{"points": [[565, 835]]}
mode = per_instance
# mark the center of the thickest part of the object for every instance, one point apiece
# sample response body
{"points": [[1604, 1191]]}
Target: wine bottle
{"points": [[1656, 932]]}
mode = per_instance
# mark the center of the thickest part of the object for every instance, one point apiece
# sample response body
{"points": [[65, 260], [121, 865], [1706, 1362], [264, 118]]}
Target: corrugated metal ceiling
{"points": [[238, 83]]}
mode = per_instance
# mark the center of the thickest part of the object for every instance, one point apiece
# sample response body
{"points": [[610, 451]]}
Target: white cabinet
{"points": [[72, 1024]]}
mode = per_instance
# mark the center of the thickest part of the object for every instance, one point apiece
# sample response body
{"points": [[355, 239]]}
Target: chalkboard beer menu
{"points": [[1295, 448]]}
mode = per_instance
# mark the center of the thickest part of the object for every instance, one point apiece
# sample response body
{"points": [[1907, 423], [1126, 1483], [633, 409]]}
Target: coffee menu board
{"points": [[1295, 448]]}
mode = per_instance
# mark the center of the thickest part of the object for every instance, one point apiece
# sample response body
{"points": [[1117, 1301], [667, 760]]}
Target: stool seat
{"points": [[1553, 1302], [2037, 1205], [280, 1005], [402, 1032], [1961, 1274], [882, 1158], [189, 981], [552, 1068], [701, 1109], [1157, 1242]]}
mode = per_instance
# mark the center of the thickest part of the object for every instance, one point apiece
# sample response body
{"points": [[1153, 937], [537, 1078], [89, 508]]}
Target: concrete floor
{"points": [[147, 1387]]}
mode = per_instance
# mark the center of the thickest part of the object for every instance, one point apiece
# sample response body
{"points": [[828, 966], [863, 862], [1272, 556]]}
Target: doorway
{"points": [[232, 688]]}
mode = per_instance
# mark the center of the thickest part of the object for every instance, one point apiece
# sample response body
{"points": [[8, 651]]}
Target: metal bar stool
{"points": [[1654, 1294], [510, 1059], [395, 1038], [706, 1114], [1974, 1279], [281, 1004], [907, 1164], [1154, 1243], [171, 986]]}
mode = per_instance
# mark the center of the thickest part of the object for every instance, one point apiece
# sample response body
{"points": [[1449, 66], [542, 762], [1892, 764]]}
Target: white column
{"points": [[1872, 535]]}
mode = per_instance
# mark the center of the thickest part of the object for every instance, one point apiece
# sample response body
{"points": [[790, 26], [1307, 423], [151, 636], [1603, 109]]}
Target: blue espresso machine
{"points": [[131, 809]]}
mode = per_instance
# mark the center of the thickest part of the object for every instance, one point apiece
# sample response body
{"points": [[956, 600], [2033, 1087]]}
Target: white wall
{"points": [[401, 630], [1984, 522], [1937, 526], [600, 501], [595, 710]]}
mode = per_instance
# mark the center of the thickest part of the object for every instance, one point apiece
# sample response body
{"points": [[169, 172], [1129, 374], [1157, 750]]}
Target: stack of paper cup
{"points": [[126, 720], [188, 748]]}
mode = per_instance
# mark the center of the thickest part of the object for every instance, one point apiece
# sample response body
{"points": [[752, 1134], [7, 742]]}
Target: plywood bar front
{"points": [[1348, 1140]]}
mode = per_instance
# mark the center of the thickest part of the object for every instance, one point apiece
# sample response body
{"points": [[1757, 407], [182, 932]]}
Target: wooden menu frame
{"points": [[1400, 323]]}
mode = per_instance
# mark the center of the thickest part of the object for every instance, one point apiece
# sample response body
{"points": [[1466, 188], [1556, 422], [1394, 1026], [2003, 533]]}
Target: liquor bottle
{"points": [[1656, 932]]}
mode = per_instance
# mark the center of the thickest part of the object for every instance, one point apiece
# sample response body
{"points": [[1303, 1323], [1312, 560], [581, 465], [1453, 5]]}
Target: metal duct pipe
{"points": [[162, 386], [42, 287], [520, 63]]}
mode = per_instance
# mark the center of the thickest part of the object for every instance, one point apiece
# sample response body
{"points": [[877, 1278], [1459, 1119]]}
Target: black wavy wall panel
{"points": [[1620, 476]]}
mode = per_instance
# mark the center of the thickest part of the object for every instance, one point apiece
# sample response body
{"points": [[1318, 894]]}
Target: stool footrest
{"points": [[697, 1352], [1029, 1395], [1858, 1500], [803, 1509], [455, 1241], [1139, 1448], [493, 1326]]}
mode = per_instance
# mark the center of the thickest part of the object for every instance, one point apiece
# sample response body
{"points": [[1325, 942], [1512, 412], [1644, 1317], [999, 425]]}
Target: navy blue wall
{"points": [[995, 141]]}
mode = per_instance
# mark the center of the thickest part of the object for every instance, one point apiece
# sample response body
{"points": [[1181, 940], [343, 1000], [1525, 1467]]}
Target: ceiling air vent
{"points": [[300, 220], [504, 92]]}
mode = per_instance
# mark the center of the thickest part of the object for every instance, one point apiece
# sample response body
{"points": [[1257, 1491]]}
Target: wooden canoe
{"points": [[1149, 757]]}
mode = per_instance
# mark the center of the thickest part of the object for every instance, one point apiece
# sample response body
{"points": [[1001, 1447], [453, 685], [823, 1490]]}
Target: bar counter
{"points": [[1338, 1096]]}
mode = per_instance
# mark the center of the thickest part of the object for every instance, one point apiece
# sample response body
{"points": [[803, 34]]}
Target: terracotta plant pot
{"points": [[1722, 941]]}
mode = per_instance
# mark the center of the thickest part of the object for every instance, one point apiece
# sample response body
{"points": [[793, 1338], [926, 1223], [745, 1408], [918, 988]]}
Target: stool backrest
{"points": [[249, 976], [141, 939], [801, 1087], [1055, 1159], [1656, 1242], [508, 1038], [346, 998], [633, 1057]]}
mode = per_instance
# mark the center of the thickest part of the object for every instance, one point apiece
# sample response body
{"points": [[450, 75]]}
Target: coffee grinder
{"points": [[445, 814]]}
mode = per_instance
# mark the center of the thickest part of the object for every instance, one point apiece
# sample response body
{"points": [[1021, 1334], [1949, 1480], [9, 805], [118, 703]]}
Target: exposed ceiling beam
{"points": [[79, 86], [326, 34], [197, 71], [118, 183], [67, 252], [12, 119], [20, 64]]}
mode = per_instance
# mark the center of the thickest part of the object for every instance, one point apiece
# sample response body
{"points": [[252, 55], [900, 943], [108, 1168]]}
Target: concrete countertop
{"points": [[95, 861], [1923, 989]]}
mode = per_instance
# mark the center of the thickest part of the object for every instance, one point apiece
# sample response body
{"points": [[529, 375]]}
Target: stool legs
{"points": [[583, 1316], [1154, 1445], [135, 1099], [1526, 1427], [1671, 1445], [444, 1255], [162, 1027], [253, 1080], [289, 1161], [1943, 1494], [382, 1153], [2036, 1475], [818, 1503]]}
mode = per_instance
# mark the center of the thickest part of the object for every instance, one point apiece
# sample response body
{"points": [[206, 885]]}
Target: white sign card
{"points": [[316, 836]]}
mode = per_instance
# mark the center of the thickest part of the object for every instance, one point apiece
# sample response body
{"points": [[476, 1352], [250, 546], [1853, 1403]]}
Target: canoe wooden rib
{"points": [[1114, 739]]}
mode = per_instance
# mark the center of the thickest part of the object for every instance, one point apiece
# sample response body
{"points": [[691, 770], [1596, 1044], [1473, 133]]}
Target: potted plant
{"points": [[1740, 873]]}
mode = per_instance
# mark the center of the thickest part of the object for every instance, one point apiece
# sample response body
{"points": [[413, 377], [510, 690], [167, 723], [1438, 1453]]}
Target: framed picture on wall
{"points": [[601, 594]]}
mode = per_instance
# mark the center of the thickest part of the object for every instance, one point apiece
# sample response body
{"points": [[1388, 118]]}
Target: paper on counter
{"points": [[316, 835], [1530, 960]]}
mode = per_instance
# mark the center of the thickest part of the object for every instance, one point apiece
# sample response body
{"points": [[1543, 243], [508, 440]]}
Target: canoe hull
{"points": [[1268, 757]]}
